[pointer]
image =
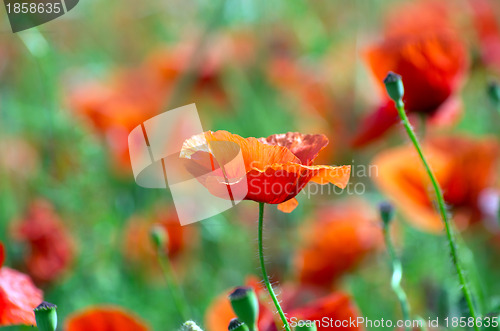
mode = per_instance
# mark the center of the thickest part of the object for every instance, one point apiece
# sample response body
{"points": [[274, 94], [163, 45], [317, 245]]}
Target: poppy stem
{"points": [[264, 272], [397, 275], [442, 211], [175, 292]]}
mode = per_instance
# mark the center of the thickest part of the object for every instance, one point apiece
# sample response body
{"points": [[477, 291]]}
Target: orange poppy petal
{"points": [[104, 318], [304, 146], [338, 176], [288, 206], [255, 154], [18, 298]]}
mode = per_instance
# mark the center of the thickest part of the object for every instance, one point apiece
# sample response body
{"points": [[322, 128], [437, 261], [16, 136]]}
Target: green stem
{"points": [[397, 275], [175, 292], [442, 210], [264, 272]]}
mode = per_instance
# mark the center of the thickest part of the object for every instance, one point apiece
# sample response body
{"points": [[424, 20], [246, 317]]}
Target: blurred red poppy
{"points": [[463, 166], [299, 303], [18, 296], [137, 246], [276, 168], [432, 61], [50, 246], [104, 318], [338, 239]]}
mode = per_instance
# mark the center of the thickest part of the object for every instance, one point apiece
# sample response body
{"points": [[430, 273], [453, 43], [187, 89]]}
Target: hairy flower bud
{"points": [[245, 305]]}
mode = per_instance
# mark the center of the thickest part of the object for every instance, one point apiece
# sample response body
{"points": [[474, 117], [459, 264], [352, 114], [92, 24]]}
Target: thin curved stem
{"points": [[442, 211], [397, 275], [175, 292], [264, 272]]}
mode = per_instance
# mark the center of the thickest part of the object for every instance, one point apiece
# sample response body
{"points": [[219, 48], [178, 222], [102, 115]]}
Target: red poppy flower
{"points": [[275, 168], [137, 246], [51, 249], [104, 318], [464, 167], [337, 241], [300, 304], [432, 62], [18, 296]]}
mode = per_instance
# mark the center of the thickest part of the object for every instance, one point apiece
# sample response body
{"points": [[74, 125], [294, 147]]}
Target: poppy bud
{"points": [[394, 86], [306, 326], [190, 326], [245, 305], [494, 92], [46, 316], [159, 237], [237, 325], [386, 211]]}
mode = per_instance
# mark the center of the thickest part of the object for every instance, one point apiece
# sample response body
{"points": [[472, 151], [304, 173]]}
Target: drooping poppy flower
{"points": [[104, 318], [137, 246], [275, 170], [464, 167], [50, 246], [301, 304], [432, 61], [18, 296], [336, 242], [487, 28]]}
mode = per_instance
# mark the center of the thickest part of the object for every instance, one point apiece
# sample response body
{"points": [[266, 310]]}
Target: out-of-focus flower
{"points": [[276, 167], [338, 239], [18, 296], [464, 167], [137, 246], [432, 60], [50, 245], [132, 96], [104, 318], [299, 304], [485, 18]]}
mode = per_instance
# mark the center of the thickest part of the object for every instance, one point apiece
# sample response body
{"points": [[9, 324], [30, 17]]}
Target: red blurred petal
{"points": [[104, 318], [335, 307], [18, 298]]}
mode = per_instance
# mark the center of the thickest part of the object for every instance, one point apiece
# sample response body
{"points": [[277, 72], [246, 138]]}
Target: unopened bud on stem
{"points": [[386, 211], [46, 316], [245, 305], [394, 86]]}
